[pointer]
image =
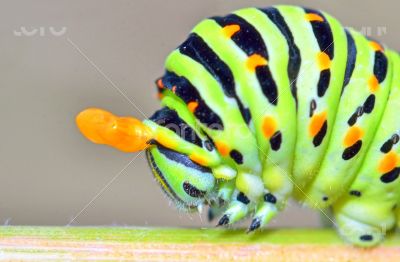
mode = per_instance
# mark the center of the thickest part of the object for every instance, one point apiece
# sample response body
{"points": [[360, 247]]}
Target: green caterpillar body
{"points": [[265, 104]]}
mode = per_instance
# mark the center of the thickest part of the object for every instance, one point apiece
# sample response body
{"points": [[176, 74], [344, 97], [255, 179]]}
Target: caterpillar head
{"points": [[187, 183]]}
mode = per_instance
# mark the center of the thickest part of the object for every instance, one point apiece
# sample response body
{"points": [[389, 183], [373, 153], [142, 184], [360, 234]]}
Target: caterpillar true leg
{"points": [[236, 210], [215, 210], [218, 206], [225, 190], [265, 211]]}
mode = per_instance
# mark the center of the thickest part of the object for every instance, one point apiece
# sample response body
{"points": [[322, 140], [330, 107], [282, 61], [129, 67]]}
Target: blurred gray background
{"points": [[49, 174]]}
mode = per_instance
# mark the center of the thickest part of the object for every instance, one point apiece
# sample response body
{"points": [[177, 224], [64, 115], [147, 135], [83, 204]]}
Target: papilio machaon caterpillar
{"points": [[265, 104]]}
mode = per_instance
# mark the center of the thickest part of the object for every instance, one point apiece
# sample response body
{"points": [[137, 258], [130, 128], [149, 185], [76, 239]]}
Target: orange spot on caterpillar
{"points": [[316, 123], [323, 60], [222, 148], [373, 84], [198, 159], [254, 61], [269, 126], [174, 89], [354, 134], [375, 46], [314, 18], [192, 106], [160, 95], [160, 83], [388, 162], [230, 30]]}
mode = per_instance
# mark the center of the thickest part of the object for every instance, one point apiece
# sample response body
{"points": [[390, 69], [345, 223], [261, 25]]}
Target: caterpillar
{"points": [[264, 105]]}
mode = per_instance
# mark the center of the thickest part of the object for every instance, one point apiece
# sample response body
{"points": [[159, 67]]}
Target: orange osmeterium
{"points": [[124, 133]]}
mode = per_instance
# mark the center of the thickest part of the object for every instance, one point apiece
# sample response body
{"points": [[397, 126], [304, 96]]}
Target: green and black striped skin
{"points": [[266, 104]]}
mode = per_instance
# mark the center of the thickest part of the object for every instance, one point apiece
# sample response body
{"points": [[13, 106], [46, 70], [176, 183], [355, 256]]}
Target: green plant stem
{"points": [[165, 244]]}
